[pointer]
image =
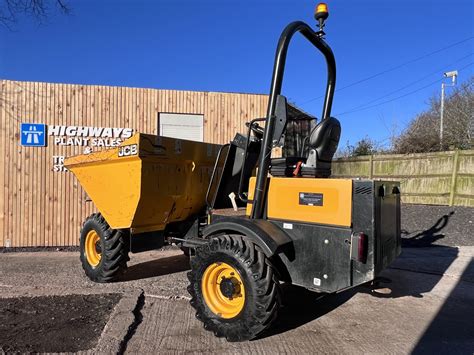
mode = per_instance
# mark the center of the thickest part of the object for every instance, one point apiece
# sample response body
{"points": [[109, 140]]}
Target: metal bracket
{"points": [[281, 116]]}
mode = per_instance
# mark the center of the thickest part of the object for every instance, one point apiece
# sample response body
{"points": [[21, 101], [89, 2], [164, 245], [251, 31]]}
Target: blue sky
{"points": [[229, 46]]}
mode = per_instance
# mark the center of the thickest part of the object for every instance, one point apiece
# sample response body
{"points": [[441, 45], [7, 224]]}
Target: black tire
{"points": [[262, 291], [113, 246]]}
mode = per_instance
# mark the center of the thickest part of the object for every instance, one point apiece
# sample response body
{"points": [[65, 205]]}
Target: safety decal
{"points": [[311, 199]]}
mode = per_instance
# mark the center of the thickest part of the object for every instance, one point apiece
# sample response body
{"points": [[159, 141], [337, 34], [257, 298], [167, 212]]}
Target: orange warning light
{"points": [[321, 7]]}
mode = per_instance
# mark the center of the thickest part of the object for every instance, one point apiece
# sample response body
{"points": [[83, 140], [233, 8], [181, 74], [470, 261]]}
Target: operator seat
{"points": [[322, 145]]}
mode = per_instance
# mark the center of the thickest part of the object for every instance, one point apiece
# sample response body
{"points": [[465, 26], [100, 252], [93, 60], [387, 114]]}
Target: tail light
{"points": [[359, 247]]}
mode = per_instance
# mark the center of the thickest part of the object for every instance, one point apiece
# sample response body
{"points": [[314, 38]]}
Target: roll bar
{"points": [[316, 38]]}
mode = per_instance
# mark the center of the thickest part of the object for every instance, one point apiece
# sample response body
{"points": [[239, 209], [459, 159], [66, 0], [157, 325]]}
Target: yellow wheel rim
{"points": [[223, 290], [92, 248]]}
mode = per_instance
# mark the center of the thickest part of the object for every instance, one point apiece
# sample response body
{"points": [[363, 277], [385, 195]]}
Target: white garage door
{"points": [[183, 126]]}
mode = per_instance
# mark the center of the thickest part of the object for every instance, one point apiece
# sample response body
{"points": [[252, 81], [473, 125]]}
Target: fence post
{"points": [[454, 177], [371, 166]]}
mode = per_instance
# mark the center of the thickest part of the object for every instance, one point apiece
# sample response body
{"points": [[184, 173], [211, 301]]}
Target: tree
{"points": [[365, 146], [422, 134], [11, 10]]}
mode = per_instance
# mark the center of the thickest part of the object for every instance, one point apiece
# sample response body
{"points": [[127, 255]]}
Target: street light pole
{"points": [[453, 75], [441, 118]]}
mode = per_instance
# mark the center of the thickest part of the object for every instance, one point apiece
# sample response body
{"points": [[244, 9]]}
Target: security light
{"points": [[450, 74]]}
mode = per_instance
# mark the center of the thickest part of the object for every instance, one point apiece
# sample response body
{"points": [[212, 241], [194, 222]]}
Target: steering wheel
{"points": [[256, 129]]}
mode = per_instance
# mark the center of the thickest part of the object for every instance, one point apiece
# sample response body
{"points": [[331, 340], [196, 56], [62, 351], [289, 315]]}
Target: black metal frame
{"points": [[278, 70], [240, 192], [214, 171]]}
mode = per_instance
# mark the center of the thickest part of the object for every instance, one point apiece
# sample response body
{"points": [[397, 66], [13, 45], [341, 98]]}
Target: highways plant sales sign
{"points": [[88, 136], [38, 135]]}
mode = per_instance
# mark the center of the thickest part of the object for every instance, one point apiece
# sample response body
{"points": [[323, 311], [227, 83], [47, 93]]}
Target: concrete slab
{"points": [[438, 260], [122, 324], [56, 273], [426, 306], [410, 319]]}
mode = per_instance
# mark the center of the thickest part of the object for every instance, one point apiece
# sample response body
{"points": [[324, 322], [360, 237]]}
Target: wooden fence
{"points": [[443, 178]]}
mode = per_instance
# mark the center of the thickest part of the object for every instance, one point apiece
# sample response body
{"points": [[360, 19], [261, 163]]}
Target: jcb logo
{"points": [[128, 150]]}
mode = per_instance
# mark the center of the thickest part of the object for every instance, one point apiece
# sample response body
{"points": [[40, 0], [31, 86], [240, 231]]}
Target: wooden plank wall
{"points": [[442, 178], [39, 207]]}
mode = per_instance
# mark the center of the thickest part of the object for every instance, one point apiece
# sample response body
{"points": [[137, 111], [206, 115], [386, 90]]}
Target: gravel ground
{"points": [[425, 225]]}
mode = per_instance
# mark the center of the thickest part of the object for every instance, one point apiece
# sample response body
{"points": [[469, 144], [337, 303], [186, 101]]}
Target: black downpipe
{"points": [[278, 70]]}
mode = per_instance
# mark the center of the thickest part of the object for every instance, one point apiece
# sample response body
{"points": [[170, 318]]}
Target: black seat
{"points": [[322, 145], [285, 166]]}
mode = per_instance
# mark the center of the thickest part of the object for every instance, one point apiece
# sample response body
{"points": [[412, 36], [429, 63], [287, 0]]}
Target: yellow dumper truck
{"points": [[147, 186], [299, 225]]}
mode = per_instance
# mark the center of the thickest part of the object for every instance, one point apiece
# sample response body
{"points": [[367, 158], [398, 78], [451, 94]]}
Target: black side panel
{"points": [[229, 179], [146, 241], [376, 213], [321, 259], [232, 170], [226, 154], [362, 217], [387, 223], [266, 235]]}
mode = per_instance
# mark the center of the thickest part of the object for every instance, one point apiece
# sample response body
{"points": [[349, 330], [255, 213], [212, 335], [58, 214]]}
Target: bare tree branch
{"points": [[12, 10]]}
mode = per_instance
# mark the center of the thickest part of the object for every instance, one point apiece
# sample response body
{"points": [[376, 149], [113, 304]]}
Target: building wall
{"points": [[42, 207]]}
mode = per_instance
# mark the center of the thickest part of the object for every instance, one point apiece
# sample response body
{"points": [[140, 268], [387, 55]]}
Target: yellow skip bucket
{"points": [[148, 181]]}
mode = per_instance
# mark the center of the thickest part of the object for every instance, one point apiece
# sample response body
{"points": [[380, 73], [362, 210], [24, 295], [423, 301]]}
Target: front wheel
{"points": [[104, 251], [234, 288]]}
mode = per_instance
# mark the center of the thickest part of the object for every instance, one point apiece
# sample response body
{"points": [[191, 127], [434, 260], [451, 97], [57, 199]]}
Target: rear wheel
{"points": [[234, 288], [104, 251]]}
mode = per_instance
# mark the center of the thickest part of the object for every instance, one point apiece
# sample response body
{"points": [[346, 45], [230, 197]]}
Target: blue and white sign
{"points": [[33, 134]]}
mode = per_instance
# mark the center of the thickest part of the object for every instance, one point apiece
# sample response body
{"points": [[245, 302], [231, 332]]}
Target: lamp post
{"points": [[453, 75]]}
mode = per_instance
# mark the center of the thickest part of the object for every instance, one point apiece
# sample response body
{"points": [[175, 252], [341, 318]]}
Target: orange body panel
{"points": [[286, 200]]}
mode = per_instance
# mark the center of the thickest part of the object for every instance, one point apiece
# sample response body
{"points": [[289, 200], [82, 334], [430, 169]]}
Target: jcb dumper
{"points": [[147, 186], [298, 225]]}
